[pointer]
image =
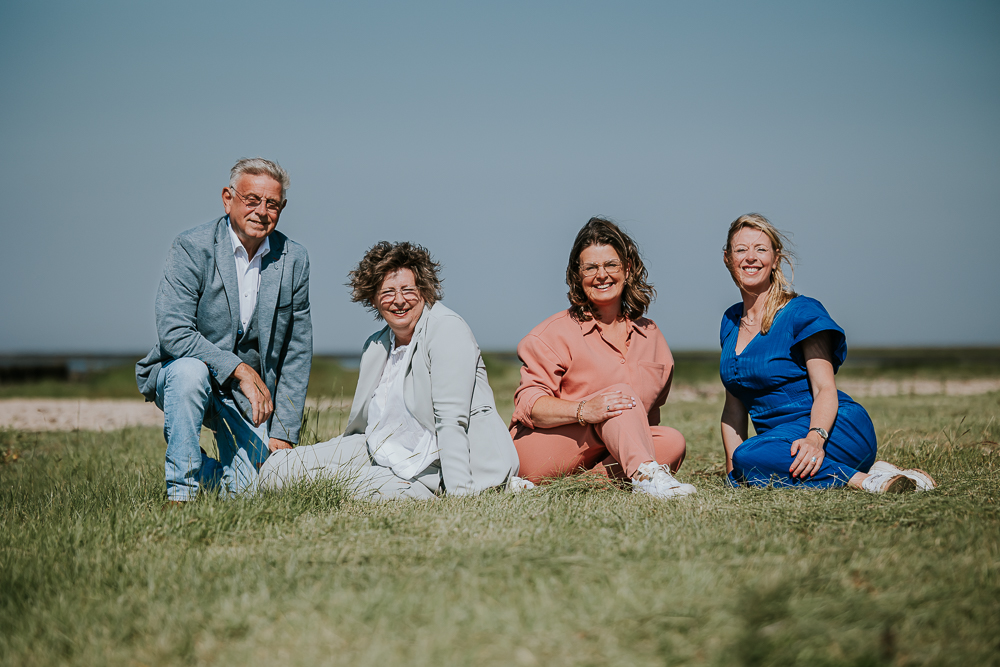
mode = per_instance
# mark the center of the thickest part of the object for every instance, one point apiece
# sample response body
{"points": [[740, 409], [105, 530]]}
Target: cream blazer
{"points": [[446, 389]]}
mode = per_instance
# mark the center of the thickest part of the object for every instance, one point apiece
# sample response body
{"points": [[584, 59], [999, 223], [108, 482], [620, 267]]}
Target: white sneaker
{"points": [[924, 481], [656, 480], [888, 482], [518, 484]]}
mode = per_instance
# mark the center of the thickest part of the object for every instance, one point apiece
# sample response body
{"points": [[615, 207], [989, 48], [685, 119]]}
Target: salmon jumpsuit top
{"points": [[571, 360]]}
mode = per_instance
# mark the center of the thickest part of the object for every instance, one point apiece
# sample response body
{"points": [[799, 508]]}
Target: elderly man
{"points": [[235, 338]]}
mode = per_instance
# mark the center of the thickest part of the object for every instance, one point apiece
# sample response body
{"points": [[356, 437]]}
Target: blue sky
{"points": [[868, 131]]}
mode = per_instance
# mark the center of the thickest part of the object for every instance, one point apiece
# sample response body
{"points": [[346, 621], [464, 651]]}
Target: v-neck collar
{"points": [[756, 335]]}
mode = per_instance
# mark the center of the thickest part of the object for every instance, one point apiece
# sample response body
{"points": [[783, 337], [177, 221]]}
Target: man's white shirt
{"points": [[247, 274]]}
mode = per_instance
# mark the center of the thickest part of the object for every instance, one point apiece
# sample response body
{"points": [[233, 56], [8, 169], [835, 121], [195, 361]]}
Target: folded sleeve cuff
{"points": [[810, 319], [223, 366], [524, 403]]}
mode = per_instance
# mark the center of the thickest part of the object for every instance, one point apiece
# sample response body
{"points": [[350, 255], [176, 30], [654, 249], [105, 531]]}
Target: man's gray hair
{"points": [[258, 166]]}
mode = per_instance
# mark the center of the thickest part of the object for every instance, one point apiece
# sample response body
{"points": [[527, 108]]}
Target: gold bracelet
{"points": [[579, 413]]}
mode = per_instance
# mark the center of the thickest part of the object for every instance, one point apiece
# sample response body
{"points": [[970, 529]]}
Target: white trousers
{"points": [[346, 458]]}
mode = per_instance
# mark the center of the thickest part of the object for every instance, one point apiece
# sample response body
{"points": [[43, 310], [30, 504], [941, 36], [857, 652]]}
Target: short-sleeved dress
{"points": [[769, 377]]}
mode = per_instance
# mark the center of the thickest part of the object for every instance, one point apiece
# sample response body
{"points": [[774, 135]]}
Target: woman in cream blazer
{"points": [[449, 405]]}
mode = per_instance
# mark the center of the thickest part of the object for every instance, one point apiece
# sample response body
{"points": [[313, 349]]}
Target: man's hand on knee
{"points": [[256, 391]]}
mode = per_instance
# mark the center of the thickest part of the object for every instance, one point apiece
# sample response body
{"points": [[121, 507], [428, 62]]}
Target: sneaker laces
{"points": [[656, 480], [658, 475], [646, 472]]}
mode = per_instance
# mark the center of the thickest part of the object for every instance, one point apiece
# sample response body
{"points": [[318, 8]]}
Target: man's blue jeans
{"points": [[184, 393]]}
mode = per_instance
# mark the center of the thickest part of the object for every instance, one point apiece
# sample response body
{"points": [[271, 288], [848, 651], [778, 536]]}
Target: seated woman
{"points": [[594, 376], [424, 421], [780, 352]]}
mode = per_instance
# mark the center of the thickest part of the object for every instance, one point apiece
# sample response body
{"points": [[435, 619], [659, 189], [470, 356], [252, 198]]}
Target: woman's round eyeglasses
{"points": [[611, 268], [409, 294]]}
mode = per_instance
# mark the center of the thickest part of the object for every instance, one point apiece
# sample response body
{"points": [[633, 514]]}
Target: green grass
{"points": [[93, 571], [329, 380], [114, 382]]}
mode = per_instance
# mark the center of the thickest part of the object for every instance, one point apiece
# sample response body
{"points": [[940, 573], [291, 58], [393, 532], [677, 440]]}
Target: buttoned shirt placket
{"points": [[247, 276]]}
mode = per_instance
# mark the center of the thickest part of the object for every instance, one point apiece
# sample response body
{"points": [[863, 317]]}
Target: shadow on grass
{"points": [[786, 620]]}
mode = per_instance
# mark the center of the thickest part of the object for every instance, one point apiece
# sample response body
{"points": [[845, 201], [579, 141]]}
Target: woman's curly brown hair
{"points": [[384, 258], [637, 293]]}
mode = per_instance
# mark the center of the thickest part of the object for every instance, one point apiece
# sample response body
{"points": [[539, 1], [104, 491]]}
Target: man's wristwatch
{"points": [[822, 432]]}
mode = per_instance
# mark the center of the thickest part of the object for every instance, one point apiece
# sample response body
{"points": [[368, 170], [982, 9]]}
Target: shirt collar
{"points": [[393, 350], [590, 326], [262, 250]]}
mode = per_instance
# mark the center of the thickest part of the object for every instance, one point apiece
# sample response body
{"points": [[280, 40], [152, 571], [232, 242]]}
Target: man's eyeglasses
{"points": [[252, 201], [612, 268], [409, 294]]}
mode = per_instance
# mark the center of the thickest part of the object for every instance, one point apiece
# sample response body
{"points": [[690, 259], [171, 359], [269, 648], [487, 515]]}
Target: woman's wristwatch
{"points": [[822, 432]]}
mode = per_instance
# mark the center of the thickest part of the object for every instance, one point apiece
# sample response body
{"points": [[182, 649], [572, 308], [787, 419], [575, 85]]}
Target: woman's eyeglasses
{"points": [[611, 268]]}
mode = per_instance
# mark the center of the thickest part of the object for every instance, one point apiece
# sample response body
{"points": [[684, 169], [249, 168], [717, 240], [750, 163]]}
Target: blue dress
{"points": [[769, 377]]}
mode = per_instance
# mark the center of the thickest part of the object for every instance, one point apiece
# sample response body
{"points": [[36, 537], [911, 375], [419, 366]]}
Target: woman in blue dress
{"points": [[780, 352]]}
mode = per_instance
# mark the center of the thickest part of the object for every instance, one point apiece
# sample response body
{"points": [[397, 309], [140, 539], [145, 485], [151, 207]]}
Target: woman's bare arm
{"points": [[735, 427], [549, 411], [819, 367]]}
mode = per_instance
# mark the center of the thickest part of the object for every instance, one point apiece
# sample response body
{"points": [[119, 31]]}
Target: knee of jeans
{"points": [[187, 375]]}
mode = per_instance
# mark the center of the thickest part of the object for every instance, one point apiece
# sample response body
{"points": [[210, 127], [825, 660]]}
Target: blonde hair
{"points": [[780, 292]]}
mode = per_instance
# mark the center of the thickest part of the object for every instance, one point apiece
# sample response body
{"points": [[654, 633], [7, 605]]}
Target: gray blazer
{"points": [[198, 315], [446, 389]]}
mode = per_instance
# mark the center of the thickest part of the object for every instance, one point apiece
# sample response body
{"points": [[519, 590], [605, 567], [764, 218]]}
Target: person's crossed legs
{"points": [[616, 447]]}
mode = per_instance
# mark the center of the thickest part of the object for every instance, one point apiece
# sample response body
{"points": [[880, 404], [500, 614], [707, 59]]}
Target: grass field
{"points": [[330, 380], [93, 571]]}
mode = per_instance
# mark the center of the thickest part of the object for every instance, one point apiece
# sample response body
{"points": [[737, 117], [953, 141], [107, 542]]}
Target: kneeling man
{"points": [[235, 338]]}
